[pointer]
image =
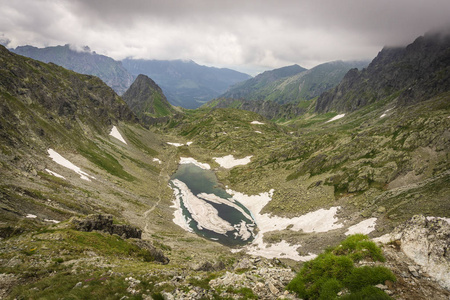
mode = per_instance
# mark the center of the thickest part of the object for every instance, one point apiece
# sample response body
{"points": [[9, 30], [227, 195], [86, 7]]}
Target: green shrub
{"points": [[332, 271], [359, 247], [366, 276], [309, 282], [367, 293]]}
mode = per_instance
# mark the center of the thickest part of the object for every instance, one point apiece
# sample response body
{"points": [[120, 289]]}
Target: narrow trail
{"points": [[163, 179]]}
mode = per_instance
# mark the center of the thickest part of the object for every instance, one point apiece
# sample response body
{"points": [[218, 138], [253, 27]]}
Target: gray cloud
{"points": [[251, 35]]}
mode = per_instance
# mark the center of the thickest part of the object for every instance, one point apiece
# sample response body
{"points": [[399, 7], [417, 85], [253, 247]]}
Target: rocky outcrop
{"points": [[425, 240], [105, 223], [156, 255]]}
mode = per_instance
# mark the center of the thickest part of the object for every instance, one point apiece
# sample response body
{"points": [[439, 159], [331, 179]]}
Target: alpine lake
{"points": [[209, 210]]}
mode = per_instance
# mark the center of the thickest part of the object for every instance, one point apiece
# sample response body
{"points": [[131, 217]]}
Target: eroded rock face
{"points": [[426, 240], [105, 223]]}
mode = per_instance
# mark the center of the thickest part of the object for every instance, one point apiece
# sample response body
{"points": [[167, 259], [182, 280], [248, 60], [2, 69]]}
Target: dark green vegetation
{"points": [[82, 61], [186, 83], [334, 271]]}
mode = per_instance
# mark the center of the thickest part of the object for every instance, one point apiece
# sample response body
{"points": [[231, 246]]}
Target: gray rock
{"points": [[168, 296], [105, 223]]}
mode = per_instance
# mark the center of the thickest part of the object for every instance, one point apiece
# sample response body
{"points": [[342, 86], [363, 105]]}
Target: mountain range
{"points": [[284, 93], [88, 209], [82, 61], [184, 83]]}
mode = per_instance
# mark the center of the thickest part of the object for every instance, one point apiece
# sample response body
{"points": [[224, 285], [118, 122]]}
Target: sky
{"points": [[246, 35]]}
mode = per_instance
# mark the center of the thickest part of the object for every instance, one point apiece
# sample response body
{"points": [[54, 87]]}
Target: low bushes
{"points": [[334, 271]]}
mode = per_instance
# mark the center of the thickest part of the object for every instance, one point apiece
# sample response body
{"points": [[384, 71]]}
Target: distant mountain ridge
{"points": [[255, 88], [185, 83], [407, 75], [285, 93], [292, 83], [85, 62]]}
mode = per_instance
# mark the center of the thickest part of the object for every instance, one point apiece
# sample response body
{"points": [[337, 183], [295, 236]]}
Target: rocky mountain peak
{"points": [[406, 74], [147, 100]]}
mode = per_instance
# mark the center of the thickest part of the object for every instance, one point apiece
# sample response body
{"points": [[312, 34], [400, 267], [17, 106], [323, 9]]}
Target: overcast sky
{"points": [[247, 35]]}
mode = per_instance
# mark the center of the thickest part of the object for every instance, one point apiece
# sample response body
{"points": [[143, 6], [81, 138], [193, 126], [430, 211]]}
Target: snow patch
{"points": [[175, 144], [385, 112], [65, 163], [258, 131], [229, 161], [157, 160], [364, 227], [31, 216], [179, 144], [52, 221], [322, 220], [115, 133], [256, 123], [336, 118], [190, 160], [54, 174]]}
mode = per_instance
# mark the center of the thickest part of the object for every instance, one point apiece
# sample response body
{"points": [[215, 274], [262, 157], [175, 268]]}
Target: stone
{"points": [[273, 289], [168, 296], [413, 271]]}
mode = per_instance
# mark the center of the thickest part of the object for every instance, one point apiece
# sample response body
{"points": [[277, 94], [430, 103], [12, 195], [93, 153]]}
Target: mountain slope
{"points": [[252, 89], [85, 62], [410, 74], [146, 99], [186, 83], [298, 85]]}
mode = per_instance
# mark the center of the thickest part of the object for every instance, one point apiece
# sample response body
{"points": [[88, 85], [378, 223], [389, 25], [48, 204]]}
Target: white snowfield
{"points": [[321, 220], [54, 174], [65, 163], [157, 160], [229, 161], [115, 133], [364, 227], [335, 118], [179, 144], [256, 123], [190, 160]]}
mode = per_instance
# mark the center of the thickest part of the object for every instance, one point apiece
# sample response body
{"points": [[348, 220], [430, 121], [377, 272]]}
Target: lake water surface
{"points": [[209, 210]]}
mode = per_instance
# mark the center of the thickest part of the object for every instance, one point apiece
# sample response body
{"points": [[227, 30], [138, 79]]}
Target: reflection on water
{"points": [[208, 209]]}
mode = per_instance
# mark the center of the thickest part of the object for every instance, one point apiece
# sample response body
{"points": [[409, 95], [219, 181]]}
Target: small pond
{"points": [[209, 210]]}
